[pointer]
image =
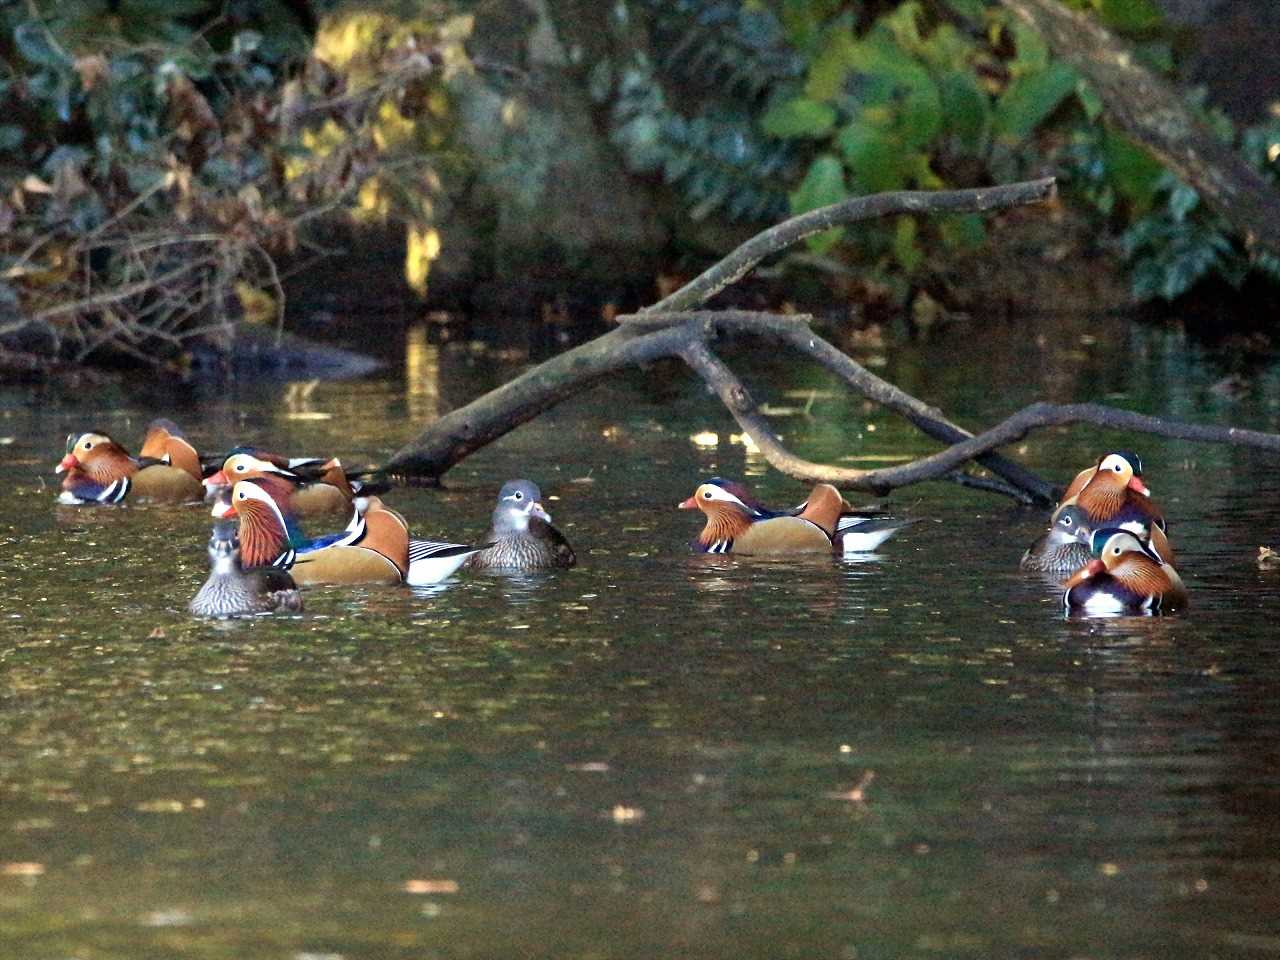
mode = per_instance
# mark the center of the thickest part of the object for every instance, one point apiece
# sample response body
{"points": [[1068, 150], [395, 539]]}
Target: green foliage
{"points": [[713, 151], [1178, 242], [753, 106]]}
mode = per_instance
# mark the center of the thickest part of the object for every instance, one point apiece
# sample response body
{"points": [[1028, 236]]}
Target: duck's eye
{"points": [[519, 495], [1116, 551], [707, 495], [240, 468], [241, 495], [1118, 468], [1066, 521], [88, 445]]}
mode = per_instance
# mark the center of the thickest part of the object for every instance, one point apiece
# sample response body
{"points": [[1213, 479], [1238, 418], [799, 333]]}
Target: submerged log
{"points": [[671, 329]]}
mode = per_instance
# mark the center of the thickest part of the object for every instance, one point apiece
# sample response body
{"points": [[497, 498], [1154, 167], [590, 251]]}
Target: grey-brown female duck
{"points": [[522, 534], [233, 591], [1064, 547]]}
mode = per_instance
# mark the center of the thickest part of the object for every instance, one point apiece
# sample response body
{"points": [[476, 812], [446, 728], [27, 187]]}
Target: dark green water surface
{"points": [[653, 755]]}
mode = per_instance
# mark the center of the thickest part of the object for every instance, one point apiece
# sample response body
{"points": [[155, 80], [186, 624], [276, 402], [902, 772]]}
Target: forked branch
{"points": [[672, 328]]}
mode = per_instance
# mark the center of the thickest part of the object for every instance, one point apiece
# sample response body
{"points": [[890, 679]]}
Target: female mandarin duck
{"points": [[319, 486], [738, 523], [1064, 548], [1125, 576], [374, 548], [99, 470], [1112, 494], [522, 537], [233, 591]]}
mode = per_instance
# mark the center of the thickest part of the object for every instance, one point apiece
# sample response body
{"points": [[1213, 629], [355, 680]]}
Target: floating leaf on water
{"points": [[705, 439], [22, 869], [624, 814], [1268, 558], [430, 886]]}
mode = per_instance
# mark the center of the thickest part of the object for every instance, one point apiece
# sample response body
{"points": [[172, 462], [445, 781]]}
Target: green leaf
{"points": [[1132, 170], [36, 45], [1157, 55], [905, 250], [964, 232], [1089, 100], [903, 24], [799, 117], [830, 68], [873, 157], [1028, 100], [972, 10], [965, 108], [11, 137], [1131, 16], [822, 185], [1032, 53], [920, 114]]}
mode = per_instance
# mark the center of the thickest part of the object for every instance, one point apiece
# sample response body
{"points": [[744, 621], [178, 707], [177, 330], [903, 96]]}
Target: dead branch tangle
{"points": [[673, 329]]}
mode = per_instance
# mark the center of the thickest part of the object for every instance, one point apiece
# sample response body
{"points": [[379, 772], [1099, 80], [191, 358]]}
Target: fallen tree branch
{"points": [[740, 261], [670, 329], [1151, 111]]}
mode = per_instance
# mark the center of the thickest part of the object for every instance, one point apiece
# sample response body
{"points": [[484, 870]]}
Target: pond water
{"points": [[654, 754]]}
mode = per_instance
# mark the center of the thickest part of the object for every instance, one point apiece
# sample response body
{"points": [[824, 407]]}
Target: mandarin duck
{"points": [[99, 470], [233, 591], [374, 547], [430, 561], [1124, 575], [1112, 494], [1064, 547], [319, 486], [857, 531], [521, 535], [737, 522]]}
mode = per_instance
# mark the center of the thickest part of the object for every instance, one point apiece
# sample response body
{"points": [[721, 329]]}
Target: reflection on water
{"points": [[653, 754]]}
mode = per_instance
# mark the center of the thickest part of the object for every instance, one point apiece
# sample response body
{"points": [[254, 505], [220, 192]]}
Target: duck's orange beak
{"points": [[1135, 483], [218, 479], [690, 504], [69, 462], [1090, 569]]}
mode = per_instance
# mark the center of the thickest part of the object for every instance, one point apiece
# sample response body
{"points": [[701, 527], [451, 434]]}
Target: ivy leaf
{"points": [[10, 137], [1132, 170], [799, 117], [873, 157], [1131, 16], [36, 45], [971, 10], [965, 108], [822, 186], [830, 68], [1030, 99], [905, 249]]}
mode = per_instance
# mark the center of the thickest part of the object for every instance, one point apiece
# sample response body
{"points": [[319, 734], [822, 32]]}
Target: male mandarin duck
{"points": [[1125, 575], [99, 470], [374, 547], [522, 537], [233, 591], [1112, 494], [738, 522], [319, 486], [1064, 547]]}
